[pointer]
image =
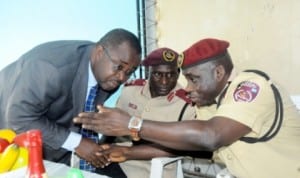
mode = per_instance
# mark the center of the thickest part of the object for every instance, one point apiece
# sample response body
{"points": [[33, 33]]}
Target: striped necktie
{"points": [[89, 107]]}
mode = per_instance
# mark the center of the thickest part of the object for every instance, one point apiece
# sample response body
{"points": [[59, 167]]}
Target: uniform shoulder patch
{"points": [[246, 91], [182, 94], [137, 82]]}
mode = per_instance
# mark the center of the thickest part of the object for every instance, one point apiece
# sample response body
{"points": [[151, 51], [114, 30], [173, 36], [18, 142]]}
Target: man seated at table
{"points": [[160, 97]]}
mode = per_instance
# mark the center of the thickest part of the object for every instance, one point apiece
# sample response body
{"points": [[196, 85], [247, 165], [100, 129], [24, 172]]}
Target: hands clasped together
{"points": [[108, 121], [101, 155]]}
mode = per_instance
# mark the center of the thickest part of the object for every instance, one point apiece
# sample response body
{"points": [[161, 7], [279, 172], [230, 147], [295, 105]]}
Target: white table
{"points": [[54, 170]]}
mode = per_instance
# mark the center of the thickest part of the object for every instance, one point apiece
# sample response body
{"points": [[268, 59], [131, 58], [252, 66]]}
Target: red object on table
{"points": [[3, 144], [21, 140], [36, 168]]}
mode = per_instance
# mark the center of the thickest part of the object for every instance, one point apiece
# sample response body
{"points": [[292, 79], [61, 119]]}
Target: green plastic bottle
{"points": [[74, 173]]}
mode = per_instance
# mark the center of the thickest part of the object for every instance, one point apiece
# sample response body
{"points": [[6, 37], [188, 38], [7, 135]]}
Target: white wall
{"points": [[264, 34]]}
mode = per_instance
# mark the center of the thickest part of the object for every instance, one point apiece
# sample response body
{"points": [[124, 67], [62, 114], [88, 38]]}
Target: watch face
{"points": [[135, 123], [134, 126]]}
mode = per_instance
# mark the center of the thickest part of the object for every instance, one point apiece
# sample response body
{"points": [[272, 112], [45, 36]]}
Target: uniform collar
{"points": [[233, 74], [146, 91]]}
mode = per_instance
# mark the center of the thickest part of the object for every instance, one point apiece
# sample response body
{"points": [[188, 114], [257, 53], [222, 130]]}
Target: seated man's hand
{"points": [[87, 150], [115, 153]]}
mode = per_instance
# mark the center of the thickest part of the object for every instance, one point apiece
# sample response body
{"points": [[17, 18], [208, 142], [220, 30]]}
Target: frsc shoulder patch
{"points": [[246, 92]]}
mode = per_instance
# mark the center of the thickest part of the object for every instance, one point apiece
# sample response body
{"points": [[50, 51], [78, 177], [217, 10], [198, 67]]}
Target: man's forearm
{"points": [[53, 135], [181, 136], [146, 152]]}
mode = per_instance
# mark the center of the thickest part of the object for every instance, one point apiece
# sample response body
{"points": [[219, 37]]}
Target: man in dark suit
{"points": [[47, 86]]}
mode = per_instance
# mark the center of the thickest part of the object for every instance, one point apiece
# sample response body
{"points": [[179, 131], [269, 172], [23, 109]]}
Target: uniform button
{"points": [[229, 157]]}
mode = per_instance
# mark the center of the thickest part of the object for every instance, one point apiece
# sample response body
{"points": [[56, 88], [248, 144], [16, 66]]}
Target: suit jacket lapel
{"points": [[79, 87]]}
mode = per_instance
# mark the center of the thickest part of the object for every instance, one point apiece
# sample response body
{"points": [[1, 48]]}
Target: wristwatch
{"points": [[134, 125]]}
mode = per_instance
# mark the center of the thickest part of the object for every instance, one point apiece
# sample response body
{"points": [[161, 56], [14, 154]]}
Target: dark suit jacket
{"points": [[44, 89]]}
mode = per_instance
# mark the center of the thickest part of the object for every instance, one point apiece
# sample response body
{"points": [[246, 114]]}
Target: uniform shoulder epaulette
{"points": [[137, 82], [181, 93]]}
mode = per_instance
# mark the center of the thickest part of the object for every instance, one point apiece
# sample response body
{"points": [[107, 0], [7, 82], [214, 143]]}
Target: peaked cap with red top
{"points": [[203, 51], [161, 56]]}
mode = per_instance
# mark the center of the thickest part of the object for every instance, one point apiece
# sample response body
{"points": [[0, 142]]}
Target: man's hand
{"points": [[109, 121], [87, 150], [114, 152]]}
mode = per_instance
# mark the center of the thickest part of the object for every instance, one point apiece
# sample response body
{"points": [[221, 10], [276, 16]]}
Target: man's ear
{"points": [[99, 49], [178, 74], [100, 52], [219, 72]]}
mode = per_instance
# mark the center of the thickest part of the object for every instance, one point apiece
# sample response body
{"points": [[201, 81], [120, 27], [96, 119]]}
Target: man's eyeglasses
{"points": [[118, 65]]}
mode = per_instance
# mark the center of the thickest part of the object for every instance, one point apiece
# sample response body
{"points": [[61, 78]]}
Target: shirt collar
{"points": [[92, 80], [146, 91], [231, 77]]}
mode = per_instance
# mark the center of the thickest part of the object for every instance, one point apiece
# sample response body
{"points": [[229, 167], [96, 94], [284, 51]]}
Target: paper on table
{"points": [[54, 170]]}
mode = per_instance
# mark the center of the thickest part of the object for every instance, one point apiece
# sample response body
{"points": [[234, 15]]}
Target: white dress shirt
{"points": [[74, 138]]}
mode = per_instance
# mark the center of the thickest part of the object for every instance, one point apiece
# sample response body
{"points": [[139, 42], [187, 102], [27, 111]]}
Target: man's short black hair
{"points": [[117, 36]]}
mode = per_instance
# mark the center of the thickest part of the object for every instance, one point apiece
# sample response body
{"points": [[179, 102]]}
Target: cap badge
{"points": [[168, 56]]}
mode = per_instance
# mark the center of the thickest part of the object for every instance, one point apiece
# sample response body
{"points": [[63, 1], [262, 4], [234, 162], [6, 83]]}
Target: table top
{"points": [[54, 170]]}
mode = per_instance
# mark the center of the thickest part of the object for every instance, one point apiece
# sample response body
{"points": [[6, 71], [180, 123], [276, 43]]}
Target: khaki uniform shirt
{"points": [[250, 100], [136, 99]]}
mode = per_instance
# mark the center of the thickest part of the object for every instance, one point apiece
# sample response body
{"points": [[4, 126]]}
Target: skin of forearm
{"points": [[185, 135], [146, 152]]}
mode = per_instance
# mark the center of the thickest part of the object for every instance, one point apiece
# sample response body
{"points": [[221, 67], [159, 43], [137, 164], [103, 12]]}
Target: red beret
{"points": [[202, 51], [161, 56]]}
